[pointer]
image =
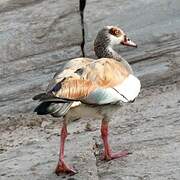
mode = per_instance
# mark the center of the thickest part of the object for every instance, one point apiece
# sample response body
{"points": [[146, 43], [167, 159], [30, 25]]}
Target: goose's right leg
{"points": [[62, 167]]}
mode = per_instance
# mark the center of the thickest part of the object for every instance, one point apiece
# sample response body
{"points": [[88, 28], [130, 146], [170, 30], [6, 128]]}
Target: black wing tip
{"points": [[43, 96], [38, 96]]}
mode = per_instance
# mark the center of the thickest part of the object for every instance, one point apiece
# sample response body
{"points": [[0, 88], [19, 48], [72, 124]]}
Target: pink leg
{"points": [[108, 155], [62, 167]]}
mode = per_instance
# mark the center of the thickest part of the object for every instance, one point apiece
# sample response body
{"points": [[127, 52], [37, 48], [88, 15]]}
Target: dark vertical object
{"points": [[82, 4]]}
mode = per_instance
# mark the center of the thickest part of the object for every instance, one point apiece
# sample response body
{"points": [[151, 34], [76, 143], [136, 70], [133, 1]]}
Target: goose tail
{"points": [[54, 106]]}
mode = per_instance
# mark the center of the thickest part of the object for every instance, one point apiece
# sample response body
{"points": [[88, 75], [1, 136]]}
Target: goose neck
{"points": [[108, 52]]}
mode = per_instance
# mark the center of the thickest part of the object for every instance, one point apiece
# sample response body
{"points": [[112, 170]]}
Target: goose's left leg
{"points": [[108, 155], [62, 167]]}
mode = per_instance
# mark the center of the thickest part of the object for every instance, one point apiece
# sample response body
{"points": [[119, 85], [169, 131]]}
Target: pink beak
{"points": [[128, 42]]}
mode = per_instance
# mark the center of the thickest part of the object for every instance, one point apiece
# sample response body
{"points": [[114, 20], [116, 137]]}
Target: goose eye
{"points": [[117, 32], [114, 31]]}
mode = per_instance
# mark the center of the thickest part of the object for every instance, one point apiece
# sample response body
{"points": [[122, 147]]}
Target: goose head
{"points": [[107, 38]]}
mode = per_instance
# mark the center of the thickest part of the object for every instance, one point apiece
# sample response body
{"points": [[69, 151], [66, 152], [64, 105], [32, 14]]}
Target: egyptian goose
{"points": [[91, 88]]}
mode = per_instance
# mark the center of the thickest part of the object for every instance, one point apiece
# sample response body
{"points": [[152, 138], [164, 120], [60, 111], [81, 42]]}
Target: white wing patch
{"points": [[129, 88], [125, 92]]}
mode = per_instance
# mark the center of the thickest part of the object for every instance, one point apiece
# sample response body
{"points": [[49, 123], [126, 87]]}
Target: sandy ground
{"points": [[149, 128]]}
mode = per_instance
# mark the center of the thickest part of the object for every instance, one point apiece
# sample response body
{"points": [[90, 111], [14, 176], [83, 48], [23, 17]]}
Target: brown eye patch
{"points": [[115, 32]]}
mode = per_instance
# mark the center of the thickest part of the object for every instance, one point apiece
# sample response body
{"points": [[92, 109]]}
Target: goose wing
{"points": [[68, 71], [100, 82]]}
